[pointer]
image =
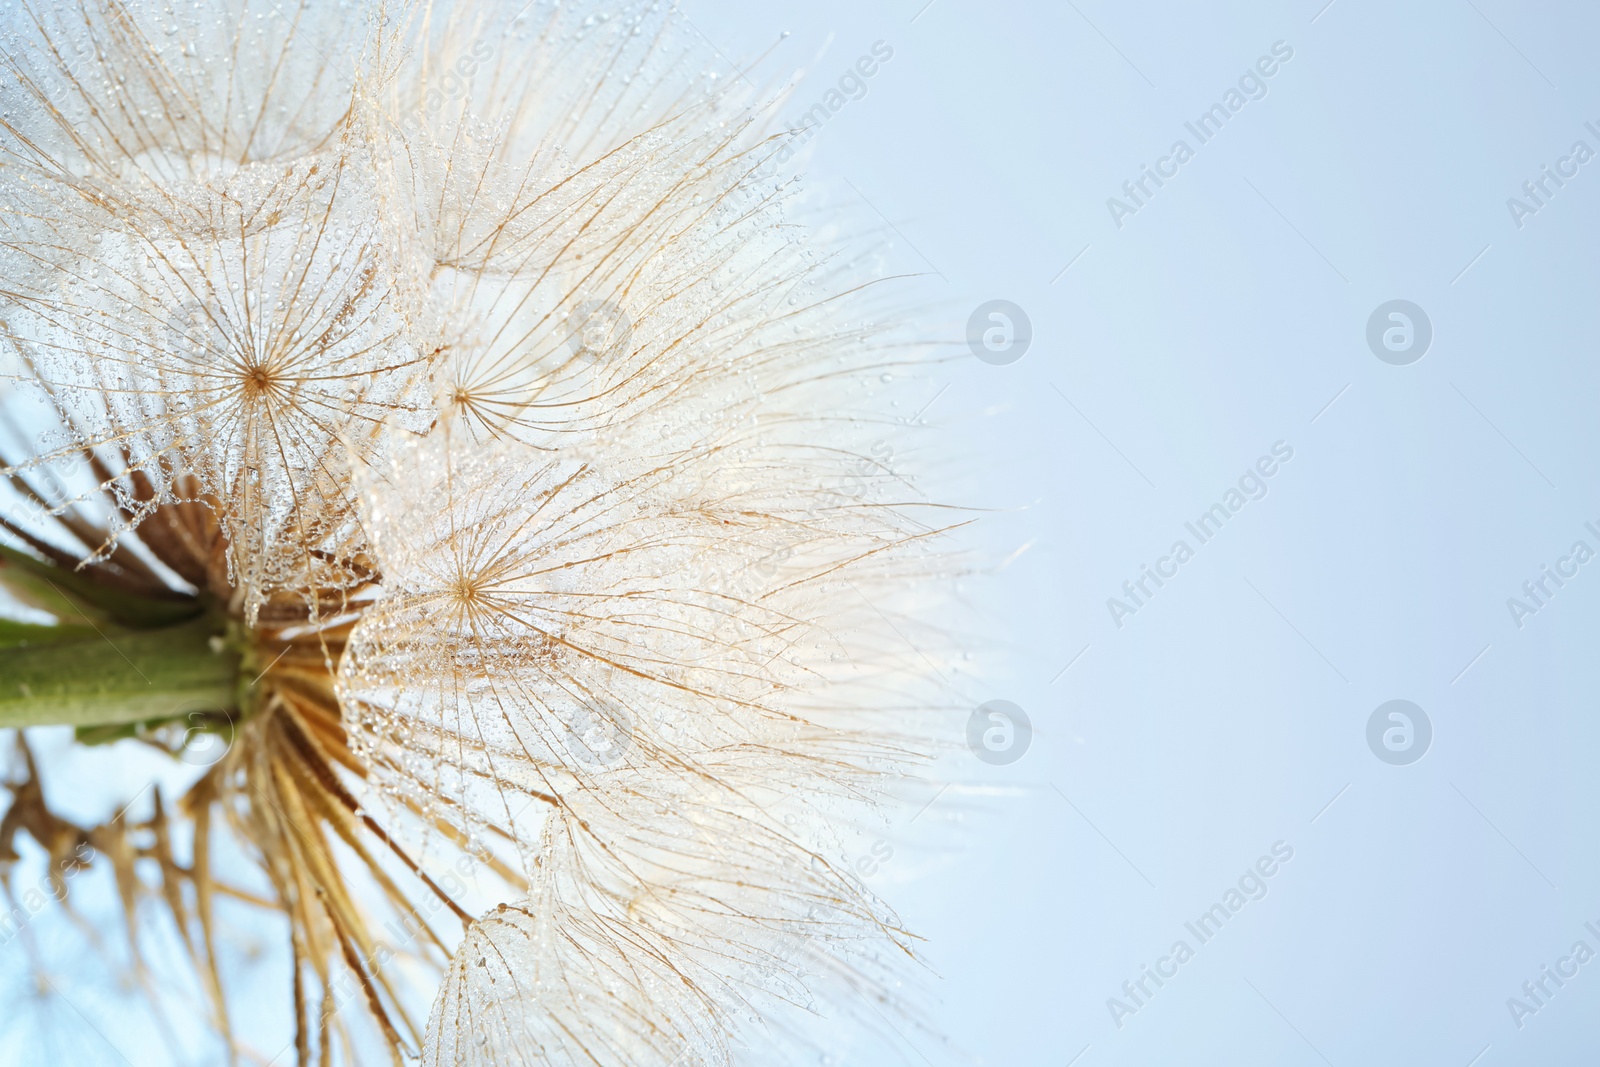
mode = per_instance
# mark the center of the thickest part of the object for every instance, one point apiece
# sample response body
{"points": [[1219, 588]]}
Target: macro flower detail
{"points": [[426, 423]]}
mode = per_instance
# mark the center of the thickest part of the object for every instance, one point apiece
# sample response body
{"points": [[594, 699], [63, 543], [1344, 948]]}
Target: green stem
{"points": [[117, 677], [62, 591]]}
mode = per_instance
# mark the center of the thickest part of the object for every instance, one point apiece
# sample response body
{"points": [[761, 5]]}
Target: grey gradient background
{"points": [[1168, 354]]}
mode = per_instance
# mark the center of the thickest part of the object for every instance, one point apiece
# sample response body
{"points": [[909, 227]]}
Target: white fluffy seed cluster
{"points": [[497, 308]]}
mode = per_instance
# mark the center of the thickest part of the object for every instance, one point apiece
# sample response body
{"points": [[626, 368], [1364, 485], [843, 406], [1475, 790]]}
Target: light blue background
{"points": [[1225, 316]]}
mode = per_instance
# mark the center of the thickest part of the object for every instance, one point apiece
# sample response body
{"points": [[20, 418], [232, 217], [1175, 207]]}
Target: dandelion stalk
{"points": [[152, 676], [120, 660]]}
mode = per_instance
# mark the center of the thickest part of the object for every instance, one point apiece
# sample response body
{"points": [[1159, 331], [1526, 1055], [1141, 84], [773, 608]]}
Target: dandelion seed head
{"points": [[459, 367]]}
